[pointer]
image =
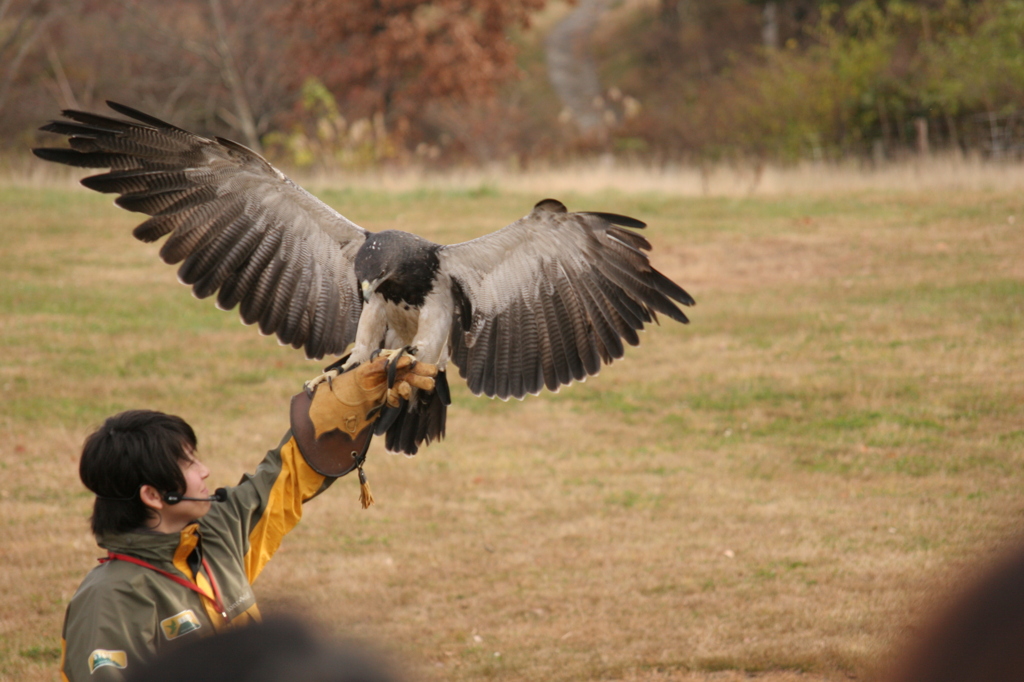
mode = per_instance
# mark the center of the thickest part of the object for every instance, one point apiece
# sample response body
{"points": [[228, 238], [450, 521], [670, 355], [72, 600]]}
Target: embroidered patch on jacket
{"points": [[180, 624], [101, 658]]}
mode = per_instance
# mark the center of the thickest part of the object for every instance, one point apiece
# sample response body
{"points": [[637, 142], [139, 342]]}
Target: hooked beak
{"points": [[368, 288]]}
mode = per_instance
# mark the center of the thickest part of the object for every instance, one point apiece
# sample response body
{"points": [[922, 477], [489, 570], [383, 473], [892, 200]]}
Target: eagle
{"points": [[544, 301]]}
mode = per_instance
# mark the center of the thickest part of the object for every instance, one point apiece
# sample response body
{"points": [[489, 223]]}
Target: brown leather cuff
{"points": [[334, 453]]}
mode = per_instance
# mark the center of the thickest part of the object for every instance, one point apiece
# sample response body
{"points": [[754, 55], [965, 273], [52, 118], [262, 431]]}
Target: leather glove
{"points": [[351, 400], [332, 420]]}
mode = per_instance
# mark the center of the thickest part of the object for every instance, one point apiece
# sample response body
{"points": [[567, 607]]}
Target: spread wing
{"points": [[237, 225], [547, 299]]}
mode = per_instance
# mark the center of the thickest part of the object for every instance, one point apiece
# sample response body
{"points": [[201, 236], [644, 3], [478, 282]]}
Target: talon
{"points": [[391, 353], [342, 362], [328, 376], [395, 356]]}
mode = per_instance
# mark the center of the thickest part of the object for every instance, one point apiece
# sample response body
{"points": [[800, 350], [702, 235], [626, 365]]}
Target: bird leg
{"points": [[405, 359], [396, 360], [393, 357], [393, 354], [355, 358], [327, 376], [331, 371]]}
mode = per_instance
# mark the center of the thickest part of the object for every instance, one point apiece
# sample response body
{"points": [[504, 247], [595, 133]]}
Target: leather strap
{"points": [[334, 453]]}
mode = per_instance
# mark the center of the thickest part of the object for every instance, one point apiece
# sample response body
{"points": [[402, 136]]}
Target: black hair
{"points": [[132, 449]]}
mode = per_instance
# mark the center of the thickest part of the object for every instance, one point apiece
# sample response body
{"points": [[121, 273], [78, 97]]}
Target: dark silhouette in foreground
{"points": [[978, 636], [280, 648]]}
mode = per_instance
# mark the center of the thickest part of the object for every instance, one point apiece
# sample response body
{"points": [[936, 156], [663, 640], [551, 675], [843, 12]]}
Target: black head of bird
{"points": [[400, 266]]}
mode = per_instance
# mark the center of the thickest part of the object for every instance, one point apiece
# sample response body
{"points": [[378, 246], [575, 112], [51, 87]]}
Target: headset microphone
{"points": [[219, 495]]}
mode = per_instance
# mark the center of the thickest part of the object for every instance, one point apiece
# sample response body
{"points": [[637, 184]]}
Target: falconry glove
{"points": [[333, 418]]}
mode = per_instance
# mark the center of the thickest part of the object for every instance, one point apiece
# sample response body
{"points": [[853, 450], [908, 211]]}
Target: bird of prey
{"points": [[539, 303]]}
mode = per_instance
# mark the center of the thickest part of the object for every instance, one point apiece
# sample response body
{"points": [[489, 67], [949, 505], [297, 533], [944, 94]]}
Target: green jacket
{"points": [[123, 613]]}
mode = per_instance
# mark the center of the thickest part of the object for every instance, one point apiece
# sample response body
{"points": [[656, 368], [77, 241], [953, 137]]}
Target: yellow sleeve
{"points": [[295, 484]]}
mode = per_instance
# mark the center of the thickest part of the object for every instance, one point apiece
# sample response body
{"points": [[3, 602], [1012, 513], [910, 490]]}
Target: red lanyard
{"points": [[217, 602]]}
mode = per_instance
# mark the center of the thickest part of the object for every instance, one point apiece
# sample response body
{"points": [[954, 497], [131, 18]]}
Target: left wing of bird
{"points": [[236, 224], [549, 298]]}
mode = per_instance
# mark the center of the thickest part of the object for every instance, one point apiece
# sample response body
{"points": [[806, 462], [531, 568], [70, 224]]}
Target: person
{"points": [[281, 648], [978, 633], [181, 562]]}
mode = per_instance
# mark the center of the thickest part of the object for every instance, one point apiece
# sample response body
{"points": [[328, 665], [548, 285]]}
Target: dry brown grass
{"points": [[777, 490], [944, 172]]}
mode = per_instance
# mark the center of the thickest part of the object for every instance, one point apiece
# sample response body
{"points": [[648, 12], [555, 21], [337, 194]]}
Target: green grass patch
{"points": [[841, 420]]}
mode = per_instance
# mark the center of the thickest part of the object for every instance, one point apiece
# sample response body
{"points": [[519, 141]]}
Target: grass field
{"points": [[784, 488]]}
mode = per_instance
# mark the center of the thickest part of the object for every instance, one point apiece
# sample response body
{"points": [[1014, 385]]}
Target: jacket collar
{"points": [[152, 547]]}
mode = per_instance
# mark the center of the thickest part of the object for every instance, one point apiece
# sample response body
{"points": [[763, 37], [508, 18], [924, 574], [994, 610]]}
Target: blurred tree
{"points": [[217, 56], [209, 64], [675, 61], [793, 21], [228, 66], [870, 78], [21, 25], [572, 69], [363, 81], [770, 25], [402, 58], [973, 70]]}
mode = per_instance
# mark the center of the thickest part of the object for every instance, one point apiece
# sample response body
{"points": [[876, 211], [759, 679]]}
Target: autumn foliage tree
{"points": [[353, 83], [405, 58]]}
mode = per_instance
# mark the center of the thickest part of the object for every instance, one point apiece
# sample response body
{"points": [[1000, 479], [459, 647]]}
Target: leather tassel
{"points": [[365, 496]]}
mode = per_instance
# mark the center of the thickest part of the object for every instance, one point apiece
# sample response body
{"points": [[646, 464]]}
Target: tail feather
{"points": [[421, 420]]}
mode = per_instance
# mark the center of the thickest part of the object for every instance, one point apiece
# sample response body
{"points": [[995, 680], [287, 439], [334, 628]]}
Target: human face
{"points": [[174, 517]]}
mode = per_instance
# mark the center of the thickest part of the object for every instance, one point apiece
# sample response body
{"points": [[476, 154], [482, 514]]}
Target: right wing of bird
{"points": [[547, 299], [237, 225]]}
